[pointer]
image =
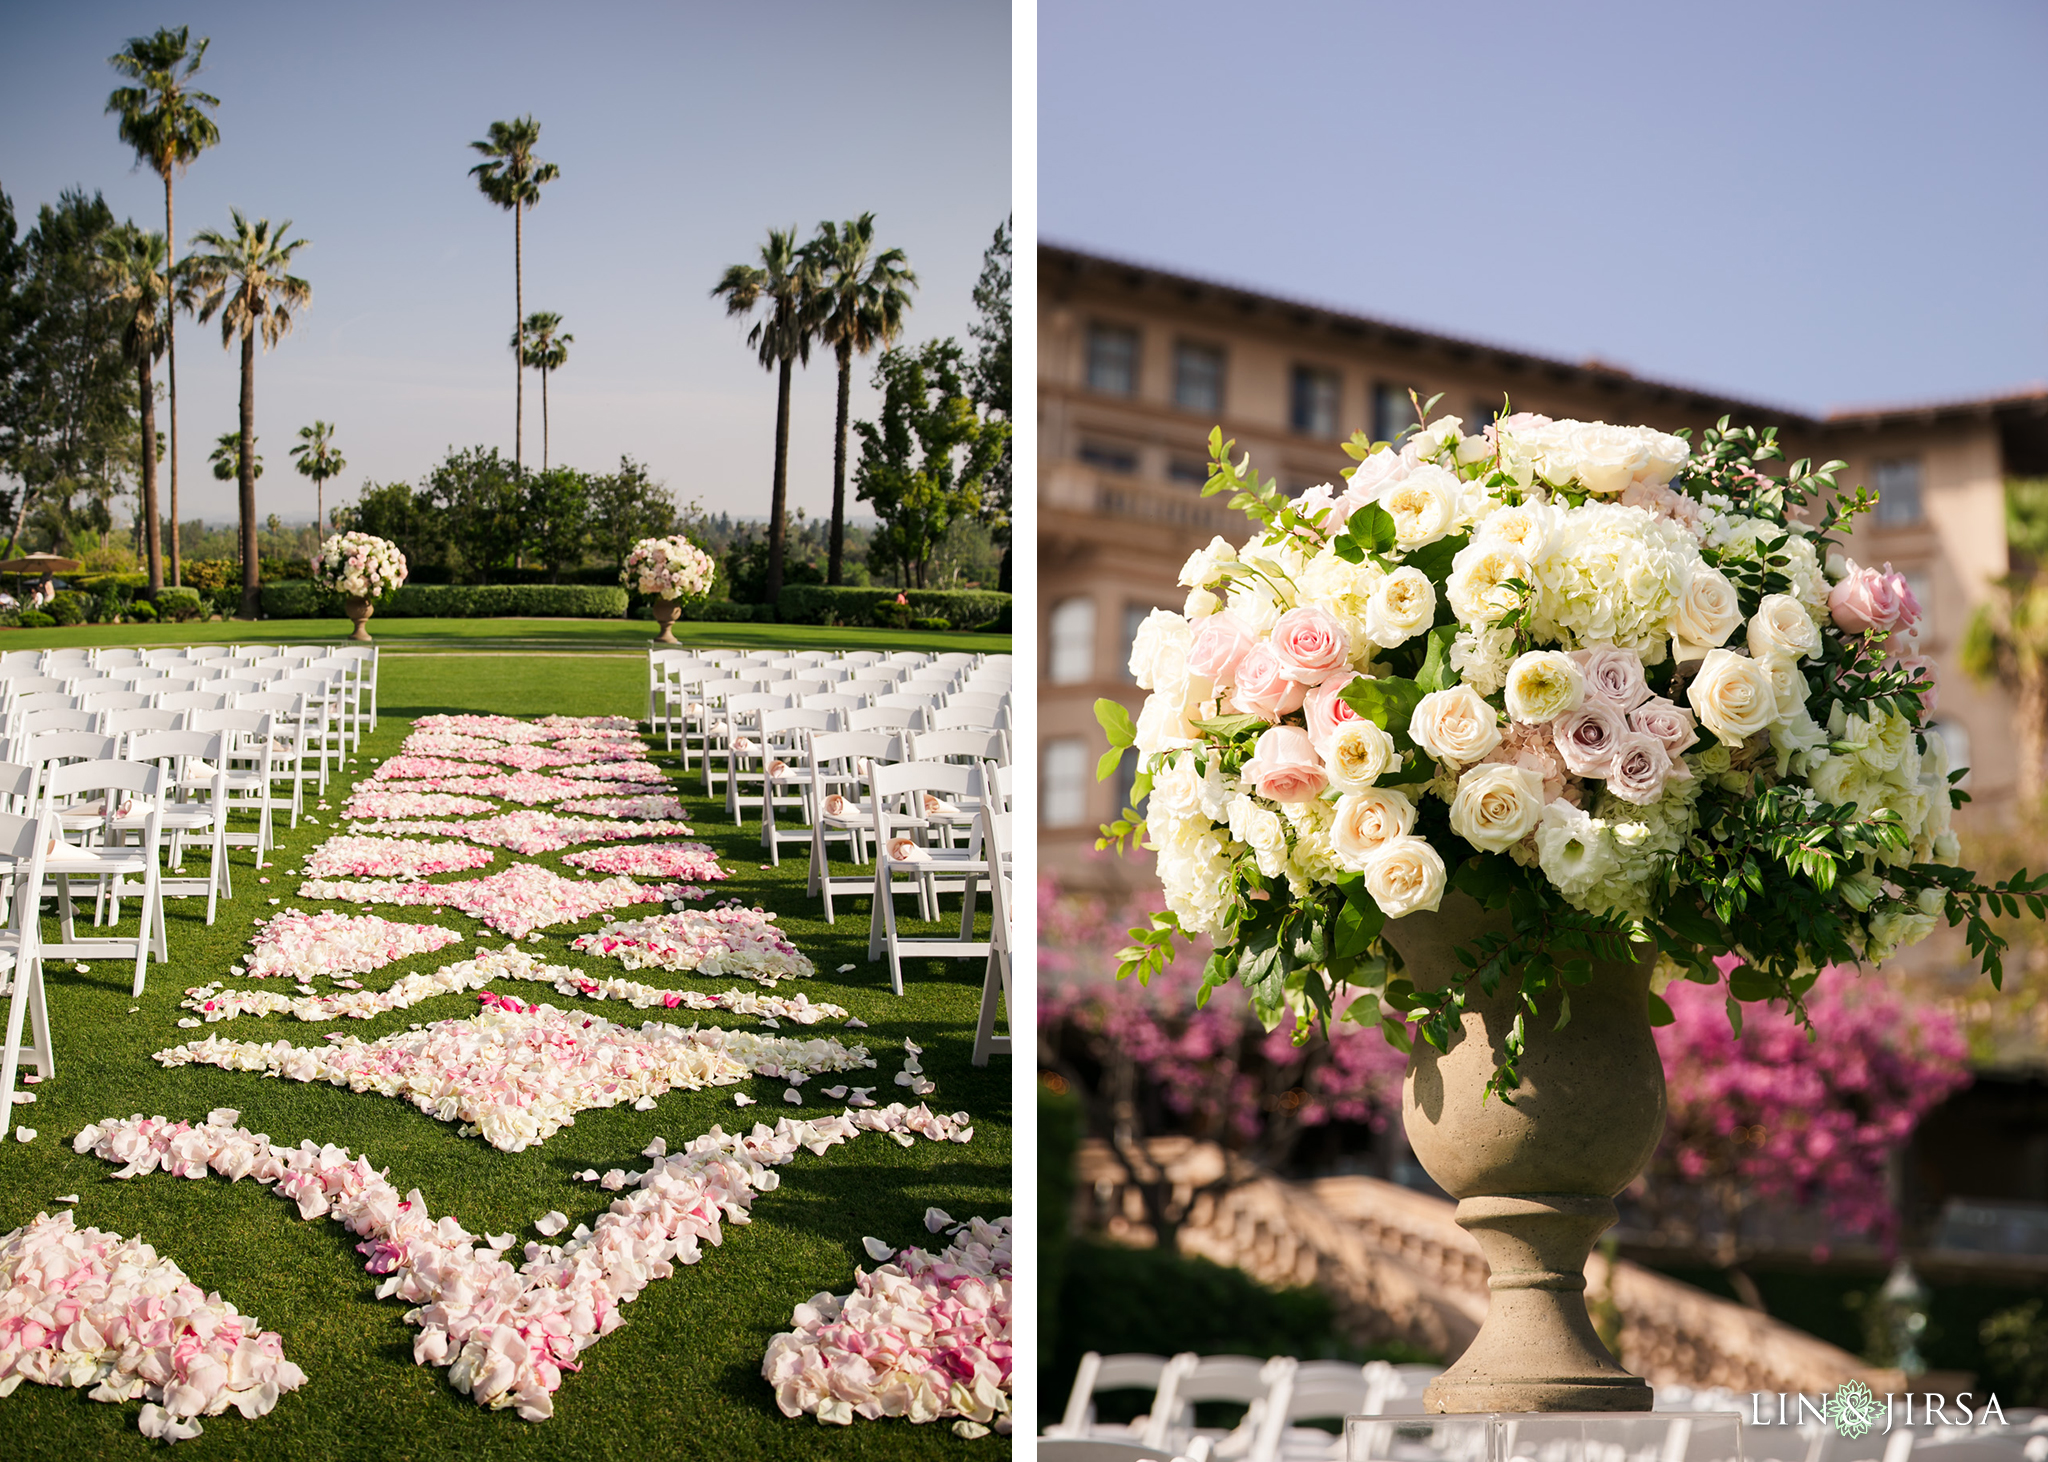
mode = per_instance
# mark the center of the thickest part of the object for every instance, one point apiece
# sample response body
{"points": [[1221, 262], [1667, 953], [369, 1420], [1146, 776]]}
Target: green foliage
{"points": [[497, 601], [299, 599], [178, 604], [721, 611], [823, 604], [925, 462], [625, 507], [556, 508], [745, 570], [477, 493], [139, 611], [990, 375], [67, 607], [36, 619]]}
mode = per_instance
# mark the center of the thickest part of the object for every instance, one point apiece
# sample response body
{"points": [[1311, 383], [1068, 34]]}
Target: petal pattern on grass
{"points": [[924, 1336], [506, 1331], [303, 945], [522, 787], [517, 1074], [693, 861], [616, 771], [518, 901], [729, 940], [370, 801], [640, 807], [83, 1307], [353, 857], [541, 832]]}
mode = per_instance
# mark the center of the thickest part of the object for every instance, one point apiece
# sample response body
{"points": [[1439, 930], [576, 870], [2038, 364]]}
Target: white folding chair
{"points": [[196, 804], [785, 787], [1099, 1373], [886, 718], [365, 657], [17, 789], [192, 700], [250, 767], [904, 815], [103, 856], [115, 700], [287, 710], [995, 983], [23, 842], [55, 748], [837, 771], [1241, 1379], [739, 742], [122, 725]]}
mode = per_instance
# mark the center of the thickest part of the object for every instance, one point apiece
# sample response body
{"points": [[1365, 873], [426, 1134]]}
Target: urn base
{"points": [[665, 613]]}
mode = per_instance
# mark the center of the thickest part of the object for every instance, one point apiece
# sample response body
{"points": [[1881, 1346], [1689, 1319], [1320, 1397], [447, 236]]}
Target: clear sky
{"points": [[1818, 204], [683, 132]]}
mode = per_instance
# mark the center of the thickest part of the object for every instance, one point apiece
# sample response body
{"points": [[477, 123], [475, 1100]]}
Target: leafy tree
{"points": [[511, 177], [226, 458], [245, 277], [555, 510], [71, 407], [546, 350], [2008, 636], [625, 507], [319, 459], [17, 326], [165, 120], [477, 495], [925, 463], [991, 372], [784, 286], [135, 264], [862, 298], [411, 520]]}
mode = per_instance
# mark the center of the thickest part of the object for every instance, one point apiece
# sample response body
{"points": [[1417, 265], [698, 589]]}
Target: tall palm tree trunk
{"points": [[543, 418], [171, 348], [2030, 728], [775, 505], [251, 600], [152, 529], [839, 464], [518, 345]]}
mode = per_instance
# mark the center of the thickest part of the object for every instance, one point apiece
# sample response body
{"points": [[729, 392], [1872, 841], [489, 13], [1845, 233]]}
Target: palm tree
{"points": [[511, 178], [164, 121], [786, 283], [245, 278], [863, 297], [546, 349], [139, 285], [226, 457], [319, 460]]}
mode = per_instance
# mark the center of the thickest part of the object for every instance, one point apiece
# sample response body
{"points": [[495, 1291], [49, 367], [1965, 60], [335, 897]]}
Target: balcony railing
{"points": [[1076, 489]]}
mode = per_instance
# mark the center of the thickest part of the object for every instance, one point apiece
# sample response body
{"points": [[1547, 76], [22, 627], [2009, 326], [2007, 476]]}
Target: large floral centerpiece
{"points": [[670, 571], [1619, 683], [362, 568]]}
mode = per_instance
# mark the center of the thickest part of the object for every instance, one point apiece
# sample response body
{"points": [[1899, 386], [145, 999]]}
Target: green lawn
{"points": [[568, 636], [682, 1377]]}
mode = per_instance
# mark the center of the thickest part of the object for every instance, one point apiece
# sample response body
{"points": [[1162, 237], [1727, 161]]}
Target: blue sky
{"points": [[1817, 204], [683, 132]]}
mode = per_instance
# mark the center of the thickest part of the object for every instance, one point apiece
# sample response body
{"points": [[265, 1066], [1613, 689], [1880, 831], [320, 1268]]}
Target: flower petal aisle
{"points": [[347, 857], [518, 901], [924, 1336], [506, 1333], [532, 833], [728, 940], [692, 861], [302, 945], [79, 1307]]}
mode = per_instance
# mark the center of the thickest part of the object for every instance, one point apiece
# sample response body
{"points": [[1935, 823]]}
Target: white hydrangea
{"points": [[1611, 575], [1483, 658]]}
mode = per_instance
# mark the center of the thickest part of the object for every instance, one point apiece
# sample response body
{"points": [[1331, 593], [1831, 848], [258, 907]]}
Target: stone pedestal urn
{"points": [[665, 612], [359, 612], [1535, 1181]]}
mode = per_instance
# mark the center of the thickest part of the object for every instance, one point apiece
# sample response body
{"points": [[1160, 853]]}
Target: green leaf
{"points": [[1388, 704], [1105, 765], [1434, 559], [1436, 672], [1231, 727], [1660, 1011], [1749, 984], [1369, 530], [1116, 722], [1359, 921]]}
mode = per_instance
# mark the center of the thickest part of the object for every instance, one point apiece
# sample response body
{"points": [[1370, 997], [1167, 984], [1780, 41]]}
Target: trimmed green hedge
{"points": [[874, 607], [179, 604], [299, 599], [497, 601], [724, 611]]}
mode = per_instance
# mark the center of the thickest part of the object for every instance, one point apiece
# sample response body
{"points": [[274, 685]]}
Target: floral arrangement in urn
{"points": [[360, 565], [1619, 686], [671, 570]]}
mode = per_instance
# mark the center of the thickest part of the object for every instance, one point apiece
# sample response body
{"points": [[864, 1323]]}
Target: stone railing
{"points": [[1398, 1268]]}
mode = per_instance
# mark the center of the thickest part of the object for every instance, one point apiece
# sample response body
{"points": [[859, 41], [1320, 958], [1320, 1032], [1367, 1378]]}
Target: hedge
{"points": [[179, 604], [299, 599], [724, 611], [877, 607], [495, 601]]}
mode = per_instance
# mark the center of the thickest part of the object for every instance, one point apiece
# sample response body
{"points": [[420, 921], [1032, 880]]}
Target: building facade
{"points": [[1137, 364]]}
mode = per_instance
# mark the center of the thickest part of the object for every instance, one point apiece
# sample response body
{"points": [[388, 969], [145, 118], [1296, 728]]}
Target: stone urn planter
{"points": [[359, 612], [665, 612], [1535, 1181]]}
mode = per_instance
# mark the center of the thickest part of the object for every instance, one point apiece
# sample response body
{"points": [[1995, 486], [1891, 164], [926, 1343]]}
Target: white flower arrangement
{"points": [[669, 568], [360, 565]]}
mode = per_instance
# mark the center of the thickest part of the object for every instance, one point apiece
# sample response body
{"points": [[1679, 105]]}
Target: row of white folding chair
{"points": [[764, 728], [916, 808], [834, 778], [24, 841]]}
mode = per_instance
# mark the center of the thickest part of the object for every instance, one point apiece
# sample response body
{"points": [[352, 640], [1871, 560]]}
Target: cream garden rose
{"points": [[1733, 695], [1402, 606], [1497, 806], [1709, 610], [1542, 685], [1781, 627], [1455, 726], [1358, 754], [1406, 876]]}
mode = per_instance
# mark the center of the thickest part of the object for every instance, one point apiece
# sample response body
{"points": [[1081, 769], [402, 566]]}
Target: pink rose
{"points": [[1614, 677], [1285, 767], [1325, 708], [1587, 738], [1639, 768], [1867, 600], [1909, 607], [1262, 688], [1922, 670], [1310, 644], [1220, 645], [1671, 724]]}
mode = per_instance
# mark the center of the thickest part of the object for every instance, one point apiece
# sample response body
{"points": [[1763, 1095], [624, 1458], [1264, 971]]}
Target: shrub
{"points": [[180, 604], [721, 611], [36, 619], [497, 601], [139, 611], [929, 622], [209, 573], [877, 607], [299, 599], [68, 607]]}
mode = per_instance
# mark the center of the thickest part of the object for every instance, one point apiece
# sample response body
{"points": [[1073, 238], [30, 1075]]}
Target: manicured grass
{"points": [[573, 636], [682, 1377]]}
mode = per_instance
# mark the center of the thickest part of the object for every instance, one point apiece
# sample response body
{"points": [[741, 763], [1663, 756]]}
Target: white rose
{"points": [[1788, 686], [1163, 725], [1542, 685], [1522, 527], [1406, 874], [1781, 626], [1497, 806], [1455, 725], [1403, 605], [1366, 822], [1159, 629], [1424, 504], [1608, 458], [1477, 575], [1358, 754], [1201, 604], [1733, 695], [1429, 440], [1253, 601], [1708, 610], [1206, 565], [1262, 831]]}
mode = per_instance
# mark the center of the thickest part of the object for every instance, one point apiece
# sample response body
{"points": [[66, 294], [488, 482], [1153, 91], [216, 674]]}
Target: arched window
{"points": [[1070, 636]]}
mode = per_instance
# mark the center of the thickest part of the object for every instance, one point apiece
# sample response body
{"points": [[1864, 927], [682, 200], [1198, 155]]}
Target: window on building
{"points": [[1109, 458], [1063, 782], [1198, 378], [1113, 359], [1392, 412], [1315, 401], [1070, 637], [1188, 470], [1922, 585], [1898, 493], [1956, 736]]}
